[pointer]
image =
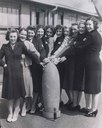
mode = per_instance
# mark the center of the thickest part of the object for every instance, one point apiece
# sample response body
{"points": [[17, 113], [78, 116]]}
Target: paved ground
{"points": [[67, 120]]}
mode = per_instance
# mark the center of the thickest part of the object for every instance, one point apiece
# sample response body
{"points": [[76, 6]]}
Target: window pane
{"points": [[42, 18], [4, 16], [0, 15], [33, 18], [9, 15]]}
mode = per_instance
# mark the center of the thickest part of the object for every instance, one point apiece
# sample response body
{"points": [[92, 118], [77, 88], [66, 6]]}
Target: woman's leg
{"points": [[33, 108], [95, 98], [79, 97], [16, 110], [61, 101], [76, 101], [10, 108], [23, 110], [88, 100], [70, 95], [93, 112], [75, 97]]}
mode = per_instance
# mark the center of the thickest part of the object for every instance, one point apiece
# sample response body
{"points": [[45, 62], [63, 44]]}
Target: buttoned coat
{"points": [[13, 84]]}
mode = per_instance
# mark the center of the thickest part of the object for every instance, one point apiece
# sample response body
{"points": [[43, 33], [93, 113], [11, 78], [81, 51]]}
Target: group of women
{"points": [[75, 52]]}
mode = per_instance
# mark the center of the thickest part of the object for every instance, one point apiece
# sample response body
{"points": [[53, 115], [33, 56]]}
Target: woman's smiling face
{"points": [[89, 25], [49, 32], [40, 33], [31, 34], [23, 35], [66, 31], [81, 28], [13, 37]]}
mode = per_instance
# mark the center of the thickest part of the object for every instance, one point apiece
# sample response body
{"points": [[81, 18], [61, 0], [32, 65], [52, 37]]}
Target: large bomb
{"points": [[51, 91]]}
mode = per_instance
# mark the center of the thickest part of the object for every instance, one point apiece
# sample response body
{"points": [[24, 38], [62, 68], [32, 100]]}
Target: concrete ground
{"points": [[67, 120]]}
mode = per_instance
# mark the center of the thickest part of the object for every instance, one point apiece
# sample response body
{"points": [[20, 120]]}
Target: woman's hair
{"points": [[81, 22], [70, 29], [95, 22], [22, 29], [49, 27], [11, 30], [31, 28], [58, 27], [7, 35], [38, 27], [65, 27]]}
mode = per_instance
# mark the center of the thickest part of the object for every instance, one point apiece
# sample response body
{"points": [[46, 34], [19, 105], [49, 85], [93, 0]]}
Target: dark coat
{"points": [[69, 66], [57, 43], [48, 45], [79, 62], [36, 69], [45, 43], [93, 63], [91, 47], [39, 47], [13, 84], [60, 66]]}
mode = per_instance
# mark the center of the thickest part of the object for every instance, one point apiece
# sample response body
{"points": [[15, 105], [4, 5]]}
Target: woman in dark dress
{"points": [[67, 70], [58, 40], [69, 73], [92, 66], [36, 69], [13, 84], [78, 86]]}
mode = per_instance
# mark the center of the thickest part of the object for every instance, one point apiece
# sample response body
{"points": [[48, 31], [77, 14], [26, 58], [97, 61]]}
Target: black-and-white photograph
{"points": [[50, 63]]}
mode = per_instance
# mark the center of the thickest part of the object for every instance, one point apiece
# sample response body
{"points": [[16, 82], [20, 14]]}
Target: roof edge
{"points": [[65, 7]]}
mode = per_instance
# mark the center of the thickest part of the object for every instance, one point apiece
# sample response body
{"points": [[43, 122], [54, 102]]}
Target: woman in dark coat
{"points": [[92, 66], [59, 37], [78, 85], [13, 84], [69, 72], [48, 40], [36, 69]]}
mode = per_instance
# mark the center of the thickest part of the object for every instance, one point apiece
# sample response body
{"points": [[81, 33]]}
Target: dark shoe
{"points": [[68, 104], [85, 110], [33, 111], [75, 108], [28, 111], [92, 114]]}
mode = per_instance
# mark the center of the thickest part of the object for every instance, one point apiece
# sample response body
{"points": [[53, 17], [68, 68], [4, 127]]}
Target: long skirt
{"points": [[28, 82], [92, 74], [69, 71], [13, 81], [36, 72], [79, 73]]}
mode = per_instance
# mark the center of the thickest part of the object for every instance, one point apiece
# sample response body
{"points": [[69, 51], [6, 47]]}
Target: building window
{"points": [[38, 17], [41, 18], [9, 15], [60, 18], [71, 19], [53, 19]]}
